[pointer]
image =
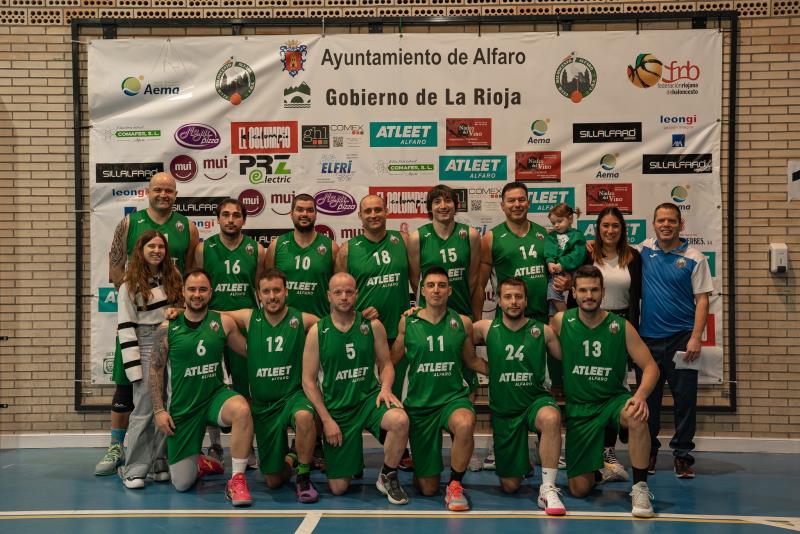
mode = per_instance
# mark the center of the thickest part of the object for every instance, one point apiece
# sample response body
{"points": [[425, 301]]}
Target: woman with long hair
{"points": [[151, 285]]}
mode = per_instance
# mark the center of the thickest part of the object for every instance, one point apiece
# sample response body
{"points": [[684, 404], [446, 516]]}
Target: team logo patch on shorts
{"points": [[364, 328], [293, 322], [536, 331]]}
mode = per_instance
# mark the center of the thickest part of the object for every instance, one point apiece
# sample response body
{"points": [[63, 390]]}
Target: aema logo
{"points": [[470, 168], [542, 199], [107, 300], [402, 134], [637, 229], [607, 164], [132, 86], [539, 132]]}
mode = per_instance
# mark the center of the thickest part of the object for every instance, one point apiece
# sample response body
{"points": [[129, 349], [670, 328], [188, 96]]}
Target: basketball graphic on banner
{"points": [[646, 72]]}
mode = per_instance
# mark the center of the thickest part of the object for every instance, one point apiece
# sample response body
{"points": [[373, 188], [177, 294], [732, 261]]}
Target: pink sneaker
{"points": [[237, 492], [208, 465], [305, 490]]}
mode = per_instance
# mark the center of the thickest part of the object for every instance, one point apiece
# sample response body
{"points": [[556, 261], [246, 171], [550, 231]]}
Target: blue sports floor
{"points": [[54, 491]]}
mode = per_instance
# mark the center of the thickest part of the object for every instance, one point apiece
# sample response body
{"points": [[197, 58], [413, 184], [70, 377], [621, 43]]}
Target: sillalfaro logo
{"points": [[575, 78], [542, 199], [677, 164], [469, 168], [235, 81], [402, 134]]}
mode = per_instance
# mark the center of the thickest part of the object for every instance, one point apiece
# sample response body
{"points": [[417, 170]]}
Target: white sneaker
{"points": [[641, 500], [488, 462], [613, 470], [475, 462], [161, 470], [131, 482], [550, 500]]}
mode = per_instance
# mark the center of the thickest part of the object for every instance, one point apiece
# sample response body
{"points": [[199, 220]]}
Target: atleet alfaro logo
{"points": [[402, 134], [575, 77], [235, 81], [677, 163], [472, 168], [134, 85], [607, 132], [110, 173]]}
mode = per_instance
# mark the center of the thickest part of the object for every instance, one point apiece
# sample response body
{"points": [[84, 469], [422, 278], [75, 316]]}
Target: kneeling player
{"points": [[519, 395], [346, 348], [276, 336], [192, 345], [595, 345], [437, 342]]}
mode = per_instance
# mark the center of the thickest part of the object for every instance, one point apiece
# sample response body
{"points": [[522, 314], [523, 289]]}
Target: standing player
{"points": [[234, 262], [437, 344], [519, 395], [307, 258], [276, 335], [347, 347], [595, 345], [191, 346], [183, 237]]}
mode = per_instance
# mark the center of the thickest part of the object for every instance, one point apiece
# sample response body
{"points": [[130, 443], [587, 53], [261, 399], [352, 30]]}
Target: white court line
{"points": [[789, 523], [309, 523]]}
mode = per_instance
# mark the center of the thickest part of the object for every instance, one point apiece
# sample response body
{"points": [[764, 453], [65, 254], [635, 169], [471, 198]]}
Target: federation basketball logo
{"points": [[645, 72], [293, 55], [575, 77]]}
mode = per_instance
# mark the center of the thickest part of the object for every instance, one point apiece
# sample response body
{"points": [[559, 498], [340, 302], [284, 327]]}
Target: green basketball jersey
{"points": [[195, 356], [594, 360], [452, 254], [307, 270], [381, 273], [523, 257], [176, 229], [347, 361], [435, 368], [275, 356], [517, 366], [233, 273]]}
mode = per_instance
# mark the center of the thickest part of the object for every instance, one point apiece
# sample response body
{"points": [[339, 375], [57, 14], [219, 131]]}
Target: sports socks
{"points": [[549, 475], [118, 435], [456, 475], [238, 465], [639, 475]]}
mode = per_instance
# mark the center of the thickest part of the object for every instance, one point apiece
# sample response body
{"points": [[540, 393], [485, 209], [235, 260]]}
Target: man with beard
{"points": [[234, 262], [595, 345], [191, 347], [276, 336], [306, 257], [183, 238]]}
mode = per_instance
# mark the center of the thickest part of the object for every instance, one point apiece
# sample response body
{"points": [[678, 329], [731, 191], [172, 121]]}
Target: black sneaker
{"points": [[390, 486]]}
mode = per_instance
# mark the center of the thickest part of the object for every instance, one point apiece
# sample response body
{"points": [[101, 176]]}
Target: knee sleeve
{"points": [[122, 402], [184, 473]]}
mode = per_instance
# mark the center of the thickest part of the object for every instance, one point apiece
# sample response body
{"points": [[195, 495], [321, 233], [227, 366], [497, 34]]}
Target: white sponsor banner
{"points": [[587, 118]]}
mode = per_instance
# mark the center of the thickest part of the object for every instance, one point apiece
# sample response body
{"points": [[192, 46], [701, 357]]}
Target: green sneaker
{"points": [[114, 458]]}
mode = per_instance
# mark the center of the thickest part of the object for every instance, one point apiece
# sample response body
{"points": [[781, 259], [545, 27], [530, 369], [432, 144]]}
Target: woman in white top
{"points": [[152, 283]]}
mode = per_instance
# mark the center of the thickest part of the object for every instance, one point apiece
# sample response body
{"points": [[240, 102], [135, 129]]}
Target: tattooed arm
{"points": [[118, 254], [158, 363]]}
